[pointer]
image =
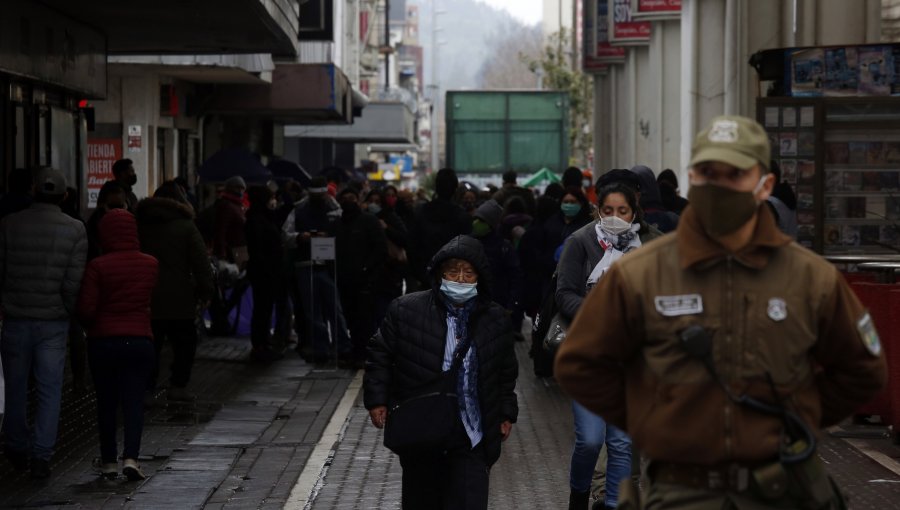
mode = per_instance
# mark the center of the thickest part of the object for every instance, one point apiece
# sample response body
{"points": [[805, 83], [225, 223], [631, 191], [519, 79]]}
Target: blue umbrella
{"points": [[231, 162], [283, 169]]}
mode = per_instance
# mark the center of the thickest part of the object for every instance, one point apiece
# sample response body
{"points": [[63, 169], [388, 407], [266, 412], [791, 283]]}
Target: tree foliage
{"points": [[560, 74]]}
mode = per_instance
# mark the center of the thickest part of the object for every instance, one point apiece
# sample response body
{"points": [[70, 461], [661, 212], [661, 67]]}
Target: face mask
{"points": [[458, 293], [614, 225], [350, 208], [391, 201], [570, 209], [480, 228], [586, 183], [374, 208], [722, 210]]}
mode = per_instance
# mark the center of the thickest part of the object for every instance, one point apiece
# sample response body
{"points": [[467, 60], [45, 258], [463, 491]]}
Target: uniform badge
{"points": [[673, 306], [777, 310], [723, 131], [869, 336]]}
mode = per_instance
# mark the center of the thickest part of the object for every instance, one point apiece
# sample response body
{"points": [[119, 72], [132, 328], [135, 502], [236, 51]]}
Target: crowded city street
{"points": [[450, 254]]}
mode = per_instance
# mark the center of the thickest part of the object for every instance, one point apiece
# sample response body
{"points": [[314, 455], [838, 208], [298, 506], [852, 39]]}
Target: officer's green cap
{"points": [[738, 141]]}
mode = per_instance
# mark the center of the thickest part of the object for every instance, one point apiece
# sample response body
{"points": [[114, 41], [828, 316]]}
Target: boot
{"points": [[579, 500]]}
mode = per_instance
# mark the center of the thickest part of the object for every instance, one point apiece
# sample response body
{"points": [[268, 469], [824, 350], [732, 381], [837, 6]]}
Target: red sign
{"points": [[625, 30], [657, 7], [101, 154]]}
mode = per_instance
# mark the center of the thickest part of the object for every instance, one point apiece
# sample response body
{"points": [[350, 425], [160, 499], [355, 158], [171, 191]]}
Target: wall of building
{"points": [[648, 109]]}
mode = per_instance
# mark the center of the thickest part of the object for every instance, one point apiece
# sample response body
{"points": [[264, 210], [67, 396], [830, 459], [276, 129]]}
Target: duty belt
{"points": [[727, 477]]}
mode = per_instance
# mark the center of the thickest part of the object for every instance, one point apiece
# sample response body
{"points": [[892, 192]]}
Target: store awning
{"points": [[381, 122], [298, 94], [247, 69], [198, 26]]}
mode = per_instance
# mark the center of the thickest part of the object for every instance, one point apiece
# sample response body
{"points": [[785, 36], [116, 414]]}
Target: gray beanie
{"points": [[491, 213], [235, 184]]}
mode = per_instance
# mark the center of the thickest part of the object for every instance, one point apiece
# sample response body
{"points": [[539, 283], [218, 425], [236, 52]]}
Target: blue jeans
{"points": [[591, 432], [320, 306], [121, 367], [39, 347]]}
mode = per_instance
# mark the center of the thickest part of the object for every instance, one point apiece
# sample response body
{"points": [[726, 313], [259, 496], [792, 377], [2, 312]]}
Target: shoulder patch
{"points": [[674, 306], [869, 335]]}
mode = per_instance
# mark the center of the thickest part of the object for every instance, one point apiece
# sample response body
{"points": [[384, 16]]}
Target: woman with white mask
{"points": [[588, 254]]}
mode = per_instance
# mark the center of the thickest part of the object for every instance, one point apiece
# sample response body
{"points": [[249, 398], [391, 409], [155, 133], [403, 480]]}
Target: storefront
{"points": [[833, 118]]}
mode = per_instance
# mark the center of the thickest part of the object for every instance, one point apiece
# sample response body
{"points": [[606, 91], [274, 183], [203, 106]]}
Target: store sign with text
{"points": [[604, 51], [101, 154], [625, 30], [655, 9]]}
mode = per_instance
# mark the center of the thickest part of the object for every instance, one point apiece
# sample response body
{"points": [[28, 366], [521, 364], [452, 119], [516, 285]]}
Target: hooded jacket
{"points": [[42, 257], [436, 223], [117, 288], [167, 232], [407, 352], [655, 213]]}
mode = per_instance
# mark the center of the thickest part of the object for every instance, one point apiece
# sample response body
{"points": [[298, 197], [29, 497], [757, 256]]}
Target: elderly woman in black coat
{"points": [[453, 331]]}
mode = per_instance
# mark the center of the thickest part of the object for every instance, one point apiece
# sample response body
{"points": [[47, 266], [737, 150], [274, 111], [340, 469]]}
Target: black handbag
{"points": [[425, 423]]}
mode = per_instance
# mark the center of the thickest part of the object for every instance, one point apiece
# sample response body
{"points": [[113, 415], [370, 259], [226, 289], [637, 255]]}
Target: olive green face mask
{"points": [[723, 210]]}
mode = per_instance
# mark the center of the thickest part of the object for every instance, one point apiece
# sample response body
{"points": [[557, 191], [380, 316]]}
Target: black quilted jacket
{"points": [[407, 352]]}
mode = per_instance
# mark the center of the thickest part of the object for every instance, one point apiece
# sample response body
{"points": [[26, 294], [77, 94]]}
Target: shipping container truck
{"points": [[490, 132]]}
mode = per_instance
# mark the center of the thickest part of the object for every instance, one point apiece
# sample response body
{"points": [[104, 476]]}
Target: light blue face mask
{"points": [[374, 208], [458, 293]]}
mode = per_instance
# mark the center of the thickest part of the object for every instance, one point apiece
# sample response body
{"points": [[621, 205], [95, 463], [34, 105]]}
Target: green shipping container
{"points": [[496, 131]]}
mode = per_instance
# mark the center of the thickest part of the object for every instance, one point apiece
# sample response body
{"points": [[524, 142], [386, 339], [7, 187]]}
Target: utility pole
{"points": [[436, 90], [387, 45]]}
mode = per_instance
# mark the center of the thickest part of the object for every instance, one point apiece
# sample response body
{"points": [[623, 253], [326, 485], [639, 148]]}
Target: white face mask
{"points": [[614, 225]]}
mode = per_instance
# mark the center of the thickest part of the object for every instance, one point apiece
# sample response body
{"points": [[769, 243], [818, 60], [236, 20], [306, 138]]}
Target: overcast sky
{"points": [[528, 11]]}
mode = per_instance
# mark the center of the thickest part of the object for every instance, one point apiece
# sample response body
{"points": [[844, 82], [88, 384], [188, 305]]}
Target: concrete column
{"points": [[140, 107], [602, 125]]}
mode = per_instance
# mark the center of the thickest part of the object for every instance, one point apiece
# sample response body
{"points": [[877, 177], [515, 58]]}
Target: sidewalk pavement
{"points": [[241, 444]]}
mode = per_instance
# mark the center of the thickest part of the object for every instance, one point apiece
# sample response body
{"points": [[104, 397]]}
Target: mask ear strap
{"points": [[762, 180]]}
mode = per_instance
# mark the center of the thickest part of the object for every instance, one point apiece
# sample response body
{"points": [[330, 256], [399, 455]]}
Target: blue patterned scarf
{"points": [[467, 380]]}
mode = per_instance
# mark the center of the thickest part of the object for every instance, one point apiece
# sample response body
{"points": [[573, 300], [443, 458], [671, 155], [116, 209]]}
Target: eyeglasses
{"points": [[463, 276]]}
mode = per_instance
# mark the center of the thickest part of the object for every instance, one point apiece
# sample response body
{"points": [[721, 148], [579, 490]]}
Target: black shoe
{"points": [[579, 500], [19, 460], [40, 468]]}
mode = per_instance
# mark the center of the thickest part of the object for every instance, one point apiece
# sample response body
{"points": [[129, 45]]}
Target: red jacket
{"points": [[117, 287]]}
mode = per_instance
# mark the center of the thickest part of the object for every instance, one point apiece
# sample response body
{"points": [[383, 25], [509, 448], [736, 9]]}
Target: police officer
{"points": [[723, 347]]}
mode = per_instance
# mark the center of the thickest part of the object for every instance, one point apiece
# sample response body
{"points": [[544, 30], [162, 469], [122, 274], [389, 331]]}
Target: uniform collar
{"points": [[696, 247]]}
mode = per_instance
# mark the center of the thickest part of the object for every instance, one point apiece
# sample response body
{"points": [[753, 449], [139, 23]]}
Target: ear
{"points": [[768, 184]]}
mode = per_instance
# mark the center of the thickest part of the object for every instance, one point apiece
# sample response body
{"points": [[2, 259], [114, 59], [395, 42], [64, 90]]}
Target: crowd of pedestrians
{"points": [[416, 289]]}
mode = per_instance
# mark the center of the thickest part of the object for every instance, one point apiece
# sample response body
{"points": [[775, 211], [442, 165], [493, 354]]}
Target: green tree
{"points": [[561, 74]]}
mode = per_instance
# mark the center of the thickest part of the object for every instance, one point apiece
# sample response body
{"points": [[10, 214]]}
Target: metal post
{"points": [[336, 333], [387, 45], [436, 90]]}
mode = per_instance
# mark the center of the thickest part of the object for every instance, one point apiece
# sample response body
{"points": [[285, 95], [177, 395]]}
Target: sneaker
{"points": [[132, 471], [108, 470], [180, 394], [18, 459], [40, 468]]}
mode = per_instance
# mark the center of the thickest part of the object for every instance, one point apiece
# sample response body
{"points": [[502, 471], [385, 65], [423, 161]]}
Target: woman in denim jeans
{"points": [[587, 256], [114, 306]]}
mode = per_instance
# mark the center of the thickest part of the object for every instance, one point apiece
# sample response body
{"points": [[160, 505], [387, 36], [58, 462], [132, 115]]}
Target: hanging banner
{"points": [[604, 51], [655, 9], [589, 61], [101, 154], [623, 30]]}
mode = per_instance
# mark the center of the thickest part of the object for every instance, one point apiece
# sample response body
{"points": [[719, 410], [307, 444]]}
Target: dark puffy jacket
{"points": [[505, 270], [435, 224], [167, 232], [117, 287], [42, 256], [407, 353]]}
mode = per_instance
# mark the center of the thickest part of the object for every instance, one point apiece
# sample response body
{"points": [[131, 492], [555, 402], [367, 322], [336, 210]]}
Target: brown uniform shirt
{"points": [[773, 308]]}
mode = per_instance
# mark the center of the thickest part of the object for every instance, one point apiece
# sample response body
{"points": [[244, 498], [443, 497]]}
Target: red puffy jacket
{"points": [[117, 287]]}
